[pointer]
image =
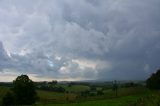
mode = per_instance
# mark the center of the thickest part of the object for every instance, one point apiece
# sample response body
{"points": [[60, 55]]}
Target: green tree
{"points": [[8, 99], [54, 82], [153, 82], [115, 88], [24, 90]]}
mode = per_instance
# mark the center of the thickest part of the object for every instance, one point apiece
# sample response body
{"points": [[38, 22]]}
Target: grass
{"points": [[134, 96], [150, 100], [125, 96], [54, 97], [122, 101]]}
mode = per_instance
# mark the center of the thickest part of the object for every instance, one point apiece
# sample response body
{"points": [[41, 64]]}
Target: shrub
{"points": [[8, 99], [100, 92], [24, 90], [153, 82]]}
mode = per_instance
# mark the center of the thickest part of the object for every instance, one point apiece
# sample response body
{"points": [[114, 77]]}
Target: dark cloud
{"points": [[115, 39]]}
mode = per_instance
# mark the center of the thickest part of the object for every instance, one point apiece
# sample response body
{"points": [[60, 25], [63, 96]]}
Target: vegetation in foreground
{"points": [[22, 93], [80, 93], [132, 96]]}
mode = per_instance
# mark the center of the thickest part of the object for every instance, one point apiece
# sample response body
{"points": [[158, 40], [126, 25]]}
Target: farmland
{"points": [[127, 96]]}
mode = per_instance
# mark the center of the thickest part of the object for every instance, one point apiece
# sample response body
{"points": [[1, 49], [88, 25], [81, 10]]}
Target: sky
{"points": [[72, 40]]}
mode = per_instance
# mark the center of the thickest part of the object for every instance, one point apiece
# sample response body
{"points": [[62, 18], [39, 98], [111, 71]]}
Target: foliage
{"points": [[126, 97], [85, 93], [77, 88], [51, 88], [8, 99], [93, 88], [54, 82], [115, 87], [24, 89], [100, 92], [130, 84], [153, 82]]}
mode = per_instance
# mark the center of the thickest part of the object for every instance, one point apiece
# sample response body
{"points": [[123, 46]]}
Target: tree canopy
{"points": [[24, 90], [153, 82]]}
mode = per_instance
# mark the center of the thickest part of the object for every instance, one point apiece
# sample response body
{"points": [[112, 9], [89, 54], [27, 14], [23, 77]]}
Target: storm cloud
{"points": [[79, 40]]}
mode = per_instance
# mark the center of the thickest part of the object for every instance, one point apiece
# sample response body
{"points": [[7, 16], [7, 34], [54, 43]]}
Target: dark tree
{"points": [[8, 99], [24, 89], [115, 87], [93, 88], [153, 82], [100, 92], [54, 82]]}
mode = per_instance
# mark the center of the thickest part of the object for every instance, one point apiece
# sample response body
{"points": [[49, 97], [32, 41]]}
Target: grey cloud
{"points": [[122, 33]]}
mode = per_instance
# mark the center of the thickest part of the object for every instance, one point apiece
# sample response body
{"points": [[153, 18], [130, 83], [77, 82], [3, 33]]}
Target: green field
{"points": [[133, 96], [46, 97], [122, 101]]}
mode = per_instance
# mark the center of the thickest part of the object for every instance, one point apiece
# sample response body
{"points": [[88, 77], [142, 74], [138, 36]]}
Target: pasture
{"points": [[131, 96]]}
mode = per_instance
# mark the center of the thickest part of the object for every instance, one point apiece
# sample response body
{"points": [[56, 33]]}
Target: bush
{"points": [[85, 93], [51, 88], [153, 82], [24, 90], [130, 84], [93, 88], [92, 94], [8, 99], [100, 92]]}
